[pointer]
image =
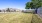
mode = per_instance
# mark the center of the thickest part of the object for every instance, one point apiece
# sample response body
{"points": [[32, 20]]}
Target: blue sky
{"points": [[19, 4]]}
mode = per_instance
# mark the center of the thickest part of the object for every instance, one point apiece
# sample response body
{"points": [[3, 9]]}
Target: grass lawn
{"points": [[18, 17]]}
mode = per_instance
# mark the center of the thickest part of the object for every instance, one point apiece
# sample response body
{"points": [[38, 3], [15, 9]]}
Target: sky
{"points": [[19, 4]]}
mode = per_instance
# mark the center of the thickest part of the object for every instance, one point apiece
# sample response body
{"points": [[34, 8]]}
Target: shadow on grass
{"points": [[36, 19]]}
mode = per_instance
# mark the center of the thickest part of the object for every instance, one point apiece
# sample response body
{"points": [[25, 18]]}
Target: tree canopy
{"points": [[33, 4]]}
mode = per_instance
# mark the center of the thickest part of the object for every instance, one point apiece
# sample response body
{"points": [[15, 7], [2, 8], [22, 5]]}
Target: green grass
{"points": [[18, 17]]}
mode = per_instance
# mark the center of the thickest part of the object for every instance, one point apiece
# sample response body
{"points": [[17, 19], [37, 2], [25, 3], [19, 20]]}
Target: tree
{"points": [[0, 10], [37, 3], [29, 5], [34, 4], [8, 10]]}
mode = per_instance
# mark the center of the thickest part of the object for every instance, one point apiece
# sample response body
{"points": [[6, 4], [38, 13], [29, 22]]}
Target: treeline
{"points": [[10, 10]]}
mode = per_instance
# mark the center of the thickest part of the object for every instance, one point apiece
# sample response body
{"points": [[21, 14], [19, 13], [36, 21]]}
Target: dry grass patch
{"points": [[15, 17], [18, 17]]}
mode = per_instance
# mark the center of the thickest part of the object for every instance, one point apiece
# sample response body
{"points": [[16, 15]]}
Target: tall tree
{"points": [[8, 10], [28, 5], [34, 4], [37, 3]]}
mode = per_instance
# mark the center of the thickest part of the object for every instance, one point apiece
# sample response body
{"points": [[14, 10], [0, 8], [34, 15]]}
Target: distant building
{"points": [[18, 10], [11, 10], [29, 10]]}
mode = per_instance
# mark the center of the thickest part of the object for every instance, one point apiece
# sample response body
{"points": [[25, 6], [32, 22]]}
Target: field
{"points": [[18, 17]]}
